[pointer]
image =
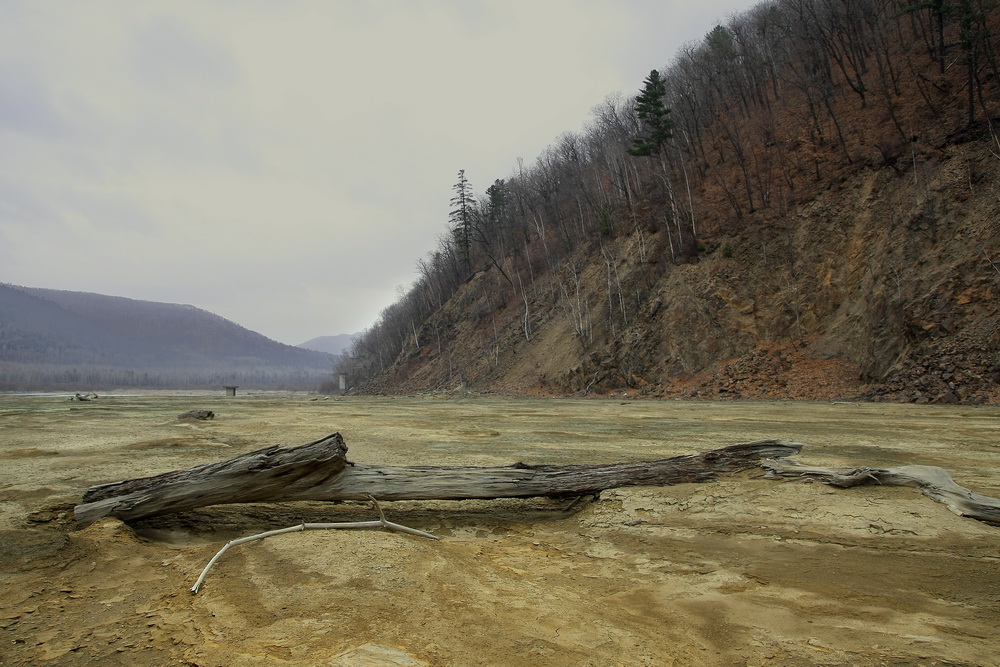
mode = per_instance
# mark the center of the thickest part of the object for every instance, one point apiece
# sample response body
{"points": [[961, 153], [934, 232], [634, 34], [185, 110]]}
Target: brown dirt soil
{"points": [[740, 571]]}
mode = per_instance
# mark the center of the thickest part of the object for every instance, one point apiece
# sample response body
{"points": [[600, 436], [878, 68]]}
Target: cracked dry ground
{"points": [[738, 571]]}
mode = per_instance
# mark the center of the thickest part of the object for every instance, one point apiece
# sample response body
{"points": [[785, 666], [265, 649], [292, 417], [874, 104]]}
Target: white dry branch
{"points": [[381, 523], [934, 482]]}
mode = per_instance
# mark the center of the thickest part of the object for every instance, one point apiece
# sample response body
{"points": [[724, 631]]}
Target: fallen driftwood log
{"points": [[320, 471], [933, 482]]}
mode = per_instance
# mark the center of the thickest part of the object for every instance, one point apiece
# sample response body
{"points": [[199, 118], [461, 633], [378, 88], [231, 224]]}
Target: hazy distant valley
{"points": [[55, 339], [336, 345]]}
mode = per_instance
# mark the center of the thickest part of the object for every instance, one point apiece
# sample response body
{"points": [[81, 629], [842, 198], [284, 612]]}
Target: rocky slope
{"points": [[883, 287]]}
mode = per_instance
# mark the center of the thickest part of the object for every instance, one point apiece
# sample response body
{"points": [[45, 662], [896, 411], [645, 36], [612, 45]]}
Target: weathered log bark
{"points": [[320, 471], [933, 482], [262, 475]]}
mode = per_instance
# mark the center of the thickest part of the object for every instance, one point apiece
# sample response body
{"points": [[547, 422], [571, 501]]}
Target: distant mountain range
{"points": [[336, 345], [62, 339]]}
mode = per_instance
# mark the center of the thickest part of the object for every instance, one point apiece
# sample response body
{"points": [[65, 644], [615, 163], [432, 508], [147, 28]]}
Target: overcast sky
{"points": [[280, 163]]}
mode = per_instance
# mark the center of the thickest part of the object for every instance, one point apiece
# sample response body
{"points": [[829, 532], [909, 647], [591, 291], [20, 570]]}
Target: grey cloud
{"points": [[26, 104], [285, 164], [171, 53], [18, 204]]}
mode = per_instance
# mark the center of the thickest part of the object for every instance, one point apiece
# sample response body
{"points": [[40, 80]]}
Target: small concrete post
{"points": [[343, 381]]}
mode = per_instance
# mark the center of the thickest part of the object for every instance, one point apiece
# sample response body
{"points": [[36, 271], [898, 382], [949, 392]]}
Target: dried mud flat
{"points": [[740, 571]]}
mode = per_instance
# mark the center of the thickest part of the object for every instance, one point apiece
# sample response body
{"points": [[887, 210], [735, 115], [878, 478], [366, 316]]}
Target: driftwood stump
{"points": [[197, 414], [320, 471], [265, 474]]}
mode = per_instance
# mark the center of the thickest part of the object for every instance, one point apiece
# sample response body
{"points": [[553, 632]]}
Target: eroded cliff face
{"points": [[885, 286]]}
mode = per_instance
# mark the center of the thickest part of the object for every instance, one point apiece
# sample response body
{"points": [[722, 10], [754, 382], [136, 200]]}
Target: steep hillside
{"points": [[881, 287], [823, 223], [52, 338]]}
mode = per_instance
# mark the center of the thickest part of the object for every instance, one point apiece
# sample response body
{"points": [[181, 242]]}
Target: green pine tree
{"points": [[654, 116], [463, 206]]}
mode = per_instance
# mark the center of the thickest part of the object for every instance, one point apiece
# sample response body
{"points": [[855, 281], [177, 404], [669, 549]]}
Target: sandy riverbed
{"points": [[738, 571]]}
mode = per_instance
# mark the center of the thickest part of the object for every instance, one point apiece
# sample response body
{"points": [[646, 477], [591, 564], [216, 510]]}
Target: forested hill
{"points": [[803, 204], [53, 338]]}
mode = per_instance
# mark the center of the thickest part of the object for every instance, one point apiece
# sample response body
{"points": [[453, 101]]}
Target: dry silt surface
{"points": [[739, 571]]}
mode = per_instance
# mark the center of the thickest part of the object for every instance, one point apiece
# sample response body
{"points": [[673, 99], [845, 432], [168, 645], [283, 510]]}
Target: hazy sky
{"points": [[282, 163]]}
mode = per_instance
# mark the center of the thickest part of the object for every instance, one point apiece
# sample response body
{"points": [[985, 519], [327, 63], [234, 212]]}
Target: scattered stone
{"points": [[948, 397], [197, 414]]}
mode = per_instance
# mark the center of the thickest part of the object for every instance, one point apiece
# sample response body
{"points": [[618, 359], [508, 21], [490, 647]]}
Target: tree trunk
{"points": [[262, 475], [320, 471]]}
